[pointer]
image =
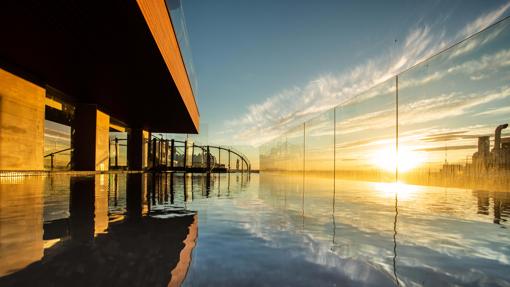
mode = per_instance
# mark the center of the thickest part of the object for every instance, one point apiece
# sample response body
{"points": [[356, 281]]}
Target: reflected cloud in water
{"points": [[232, 229]]}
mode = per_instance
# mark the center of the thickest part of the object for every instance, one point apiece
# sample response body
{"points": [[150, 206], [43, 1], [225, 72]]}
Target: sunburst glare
{"points": [[407, 159]]}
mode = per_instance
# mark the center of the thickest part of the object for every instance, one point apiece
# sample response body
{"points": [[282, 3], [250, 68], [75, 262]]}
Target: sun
{"points": [[388, 160]]}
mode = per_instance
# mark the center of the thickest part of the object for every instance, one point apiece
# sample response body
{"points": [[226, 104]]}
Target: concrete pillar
{"points": [[90, 138], [137, 149], [21, 123]]}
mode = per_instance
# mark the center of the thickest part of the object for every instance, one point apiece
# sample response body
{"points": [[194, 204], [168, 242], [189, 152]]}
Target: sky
{"points": [[265, 66]]}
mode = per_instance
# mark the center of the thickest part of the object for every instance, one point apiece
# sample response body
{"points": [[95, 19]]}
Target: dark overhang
{"points": [[119, 54]]}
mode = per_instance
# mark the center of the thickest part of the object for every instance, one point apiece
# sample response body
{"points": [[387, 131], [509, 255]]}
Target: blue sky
{"points": [[265, 66]]}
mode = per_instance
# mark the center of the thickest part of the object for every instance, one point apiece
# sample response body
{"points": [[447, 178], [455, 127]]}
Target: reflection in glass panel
{"points": [[57, 144], [181, 32], [453, 111], [199, 156], [319, 149], [365, 135], [285, 153], [118, 149], [294, 149]]}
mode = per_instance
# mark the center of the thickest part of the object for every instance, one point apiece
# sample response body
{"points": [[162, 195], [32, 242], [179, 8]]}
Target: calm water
{"points": [[240, 230]]}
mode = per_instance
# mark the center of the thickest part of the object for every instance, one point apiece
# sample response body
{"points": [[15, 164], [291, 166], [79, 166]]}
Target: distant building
{"points": [[498, 157]]}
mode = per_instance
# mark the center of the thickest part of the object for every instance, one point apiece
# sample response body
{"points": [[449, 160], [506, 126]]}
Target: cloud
{"points": [[459, 147], [499, 111], [290, 107], [483, 21], [447, 106]]}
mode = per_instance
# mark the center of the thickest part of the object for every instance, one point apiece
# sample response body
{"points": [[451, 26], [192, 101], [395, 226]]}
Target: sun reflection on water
{"points": [[390, 189]]}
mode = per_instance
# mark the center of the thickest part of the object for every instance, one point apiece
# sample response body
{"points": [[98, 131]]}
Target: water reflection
{"points": [[500, 203], [273, 229], [92, 232], [416, 235]]}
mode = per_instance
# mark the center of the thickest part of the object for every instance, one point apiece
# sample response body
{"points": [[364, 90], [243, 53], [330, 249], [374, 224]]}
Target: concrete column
{"points": [[90, 138], [137, 149], [21, 123]]}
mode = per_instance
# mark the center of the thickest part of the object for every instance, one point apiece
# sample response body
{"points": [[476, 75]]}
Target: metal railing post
{"points": [[153, 153], [192, 153], [208, 159], [185, 154], [172, 152], [219, 156], [116, 152], [167, 145]]}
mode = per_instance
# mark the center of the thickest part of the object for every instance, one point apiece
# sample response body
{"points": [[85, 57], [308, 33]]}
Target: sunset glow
{"points": [[390, 189], [406, 160]]}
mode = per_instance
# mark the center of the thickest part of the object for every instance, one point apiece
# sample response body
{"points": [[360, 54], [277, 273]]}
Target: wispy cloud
{"points": [[290, 107], [498, 111]]}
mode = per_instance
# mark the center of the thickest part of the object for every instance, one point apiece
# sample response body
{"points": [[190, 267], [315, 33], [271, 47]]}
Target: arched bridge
{"points": [[179, 155], [167, 154]]}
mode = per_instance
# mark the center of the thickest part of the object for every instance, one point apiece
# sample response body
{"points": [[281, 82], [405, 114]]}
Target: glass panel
{"points": [[181, 31], [284, 153], [118, 149], [365, 137], [179, 155], [318, 184], [319, 149], [57, 142], [199, 159], [293, 149], [265, 157], [450, 108]]}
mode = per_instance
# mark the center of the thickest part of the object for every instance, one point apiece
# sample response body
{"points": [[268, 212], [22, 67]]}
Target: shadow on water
{"points": [[92, 233]]}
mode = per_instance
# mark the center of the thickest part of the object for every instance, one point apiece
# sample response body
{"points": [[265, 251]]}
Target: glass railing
{"points": [[181, 32], [441, 122]]}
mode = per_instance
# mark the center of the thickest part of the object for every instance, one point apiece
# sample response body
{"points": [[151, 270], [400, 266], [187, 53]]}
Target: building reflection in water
{"points": [[21, 222], [108, 236], [142, 230], [500, 204]]}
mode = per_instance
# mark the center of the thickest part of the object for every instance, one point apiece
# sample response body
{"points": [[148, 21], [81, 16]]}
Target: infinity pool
{"points": [[248, 230]]}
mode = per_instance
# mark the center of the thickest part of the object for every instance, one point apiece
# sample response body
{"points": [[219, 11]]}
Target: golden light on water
{"points": [[407, 159], [390, 189]]}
